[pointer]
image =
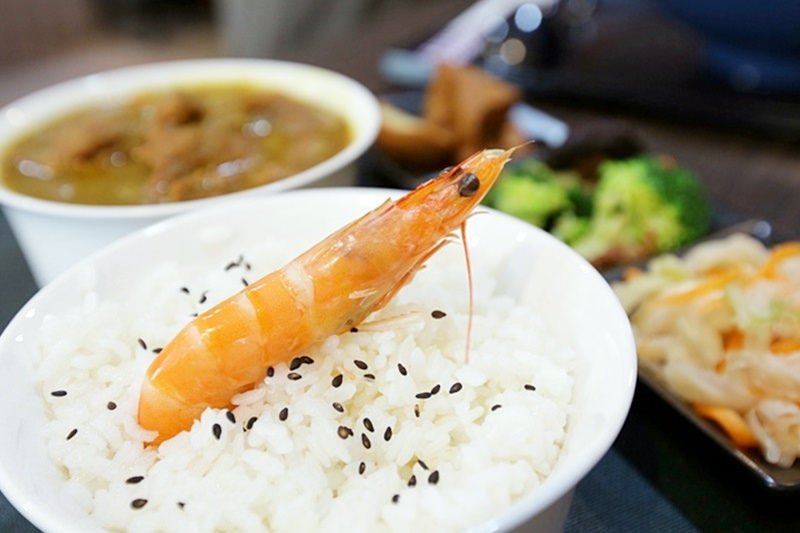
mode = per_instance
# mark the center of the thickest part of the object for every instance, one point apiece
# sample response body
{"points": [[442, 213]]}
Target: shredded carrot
{"points": [[710, 284], [716, 270], [779, 253], [730, 421], [784, 346], [732, 339]]}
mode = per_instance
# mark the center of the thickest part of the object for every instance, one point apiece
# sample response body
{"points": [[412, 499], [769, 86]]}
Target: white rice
{"points": [[298, 474]]}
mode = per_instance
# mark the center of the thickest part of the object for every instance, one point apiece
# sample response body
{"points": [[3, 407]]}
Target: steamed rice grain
{"points": [[276, 461]]}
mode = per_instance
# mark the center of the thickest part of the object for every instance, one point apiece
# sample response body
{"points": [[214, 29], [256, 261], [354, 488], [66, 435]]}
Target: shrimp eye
{"points": [[468, 185]]}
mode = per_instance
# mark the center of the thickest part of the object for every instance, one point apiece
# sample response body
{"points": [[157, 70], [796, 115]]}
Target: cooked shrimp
{"points": [[325, 291]]}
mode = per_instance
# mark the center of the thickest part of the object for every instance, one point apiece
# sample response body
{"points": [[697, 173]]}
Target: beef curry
{"points": [[173, 146]]}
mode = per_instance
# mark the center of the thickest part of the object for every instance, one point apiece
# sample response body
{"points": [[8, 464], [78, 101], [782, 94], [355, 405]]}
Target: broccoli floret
{"points": [[536, 194], [570, 227], [644, 205], [581, 198]]}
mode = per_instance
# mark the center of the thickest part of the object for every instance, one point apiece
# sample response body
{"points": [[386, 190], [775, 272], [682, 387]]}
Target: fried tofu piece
{"points": [[473, 105], [465, 109], [414, 142]]}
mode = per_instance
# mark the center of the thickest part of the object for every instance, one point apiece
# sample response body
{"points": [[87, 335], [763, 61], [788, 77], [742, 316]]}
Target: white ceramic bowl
{"points": [[55, 235], [540, 271]]}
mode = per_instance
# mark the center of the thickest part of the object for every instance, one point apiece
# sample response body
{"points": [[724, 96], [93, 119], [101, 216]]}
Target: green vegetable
{"points": [[639, 206], [537, 194], [644, 205], [570, 227]]}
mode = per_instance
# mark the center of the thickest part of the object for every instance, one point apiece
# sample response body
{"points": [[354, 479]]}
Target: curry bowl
{"points": [[534, 277], [55, 234]]}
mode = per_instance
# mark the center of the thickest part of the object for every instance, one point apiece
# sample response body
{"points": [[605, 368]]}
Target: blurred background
{"points": [[714, 82], [730, 63]]}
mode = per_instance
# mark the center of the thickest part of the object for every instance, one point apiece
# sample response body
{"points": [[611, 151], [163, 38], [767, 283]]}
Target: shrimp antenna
{"points": [[471, 292]]}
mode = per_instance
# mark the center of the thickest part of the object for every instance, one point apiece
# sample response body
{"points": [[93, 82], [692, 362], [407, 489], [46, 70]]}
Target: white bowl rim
{"points": [[555, 486], [367, 132]]}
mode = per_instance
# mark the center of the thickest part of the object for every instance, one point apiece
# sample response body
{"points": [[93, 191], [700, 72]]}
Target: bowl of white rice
{"points": [[390, 427]]}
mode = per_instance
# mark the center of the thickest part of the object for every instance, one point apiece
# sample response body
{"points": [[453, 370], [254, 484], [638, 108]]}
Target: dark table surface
{"points": [[662, 473]]}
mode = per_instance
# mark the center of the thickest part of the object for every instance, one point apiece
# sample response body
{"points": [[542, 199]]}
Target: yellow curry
{"points": [[172, 146]]}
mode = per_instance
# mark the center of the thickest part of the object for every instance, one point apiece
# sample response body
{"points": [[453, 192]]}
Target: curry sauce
{"points": [[171, 146]]}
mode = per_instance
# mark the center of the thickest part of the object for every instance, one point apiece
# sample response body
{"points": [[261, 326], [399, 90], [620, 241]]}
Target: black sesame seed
{"points": [[337, 380], [158, 350], [193, 315], [412, 481], [496, 406], [437, 314], [230, 416], [433, 479], [362, 467], [111, 406], [421, 463], [387, 435], [181, 505], [360, 364], [72, 433], [295, 364], [306, 360], [203, 297], [436, 389], [402, 369], [423, 395], [138, 503], [369, 376], [230, 266], [270, 372], [284, 414], [247, 266], [365, 441], [58, 393], [416, 410], [455, 387], [142, 344], [185, 290], [134, 480], [353, 330], [368, 424], [294, 376], [244, 282], [530, 387], [468, 185], [339, 407], [216, 429], [395, 498], [251, 422], [344, 432]]}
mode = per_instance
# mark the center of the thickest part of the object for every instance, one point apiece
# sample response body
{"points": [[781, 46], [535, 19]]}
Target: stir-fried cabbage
{"points": [[721, 328]]}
